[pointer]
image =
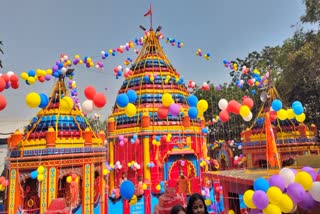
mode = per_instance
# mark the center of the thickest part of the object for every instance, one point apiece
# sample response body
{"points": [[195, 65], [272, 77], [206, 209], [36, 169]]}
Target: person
{"points": [[196, 205], [177, 209], [183, 184]]}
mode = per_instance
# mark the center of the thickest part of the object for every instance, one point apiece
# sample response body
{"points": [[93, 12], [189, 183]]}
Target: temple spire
{"points": [[149, 13]]}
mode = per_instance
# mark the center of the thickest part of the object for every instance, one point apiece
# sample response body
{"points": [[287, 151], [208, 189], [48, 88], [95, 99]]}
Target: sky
{"points": [[36, 32]]}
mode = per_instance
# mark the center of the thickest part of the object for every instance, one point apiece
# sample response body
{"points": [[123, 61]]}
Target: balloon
{"points": [[66, 104], [132, 95], [276, 105], [274, 194], [44, 100], [87, 106], [34, 174], [247, 199], [24, 75], [296, 192], [234, 107], [248, 118], [224, 116], [261, 184], [163, 112], [307, 203], [3, 102], [244, 111], [282, 114], [260, 199], [193, 112], [40, 169], [40, 177], [287, 175], [300, 118], [99, 100], [69, 179], [167, 99], [311, 171], [33, 100], [290, 113], [174, 109], [192, 101], [2, 84], [122, 100], [248, 102], [90, 92], [202, 105], [277, 181], [273, 116], [304, 179], [127, 189], [286, 204], [315, 191], [263, 96], [272, 209], [297, 109], [223, 104], [131, 110]]}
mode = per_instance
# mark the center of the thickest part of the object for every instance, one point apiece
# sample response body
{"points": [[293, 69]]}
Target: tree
{"points": [[312, 12], [97, 125]]}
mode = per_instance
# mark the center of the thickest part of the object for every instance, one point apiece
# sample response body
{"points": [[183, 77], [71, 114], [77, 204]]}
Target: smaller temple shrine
{"points": [[56, 164]]}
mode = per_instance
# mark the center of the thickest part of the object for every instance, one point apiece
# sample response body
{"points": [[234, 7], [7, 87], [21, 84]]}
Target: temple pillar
{"points": [[111, 162], [146, 160], [13, 203], [102, 188], [92, 178], [86, 189], [43, 192], [188, 139], [52, 185]]}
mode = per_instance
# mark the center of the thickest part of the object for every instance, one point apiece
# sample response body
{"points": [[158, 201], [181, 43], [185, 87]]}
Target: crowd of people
{"points": [[196, 205]]}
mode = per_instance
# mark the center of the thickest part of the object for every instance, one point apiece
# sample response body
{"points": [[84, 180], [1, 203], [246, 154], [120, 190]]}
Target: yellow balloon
{"points": [[282, 114], [31, 80], [202, 105], [40, 170], [244, 111], [247, 199], [133, 200], [66, 104], [130, 110], [2, 188], [167, 99], [271, 209], [40, 177], [290, 113], [105, 171], [69, 179], [207, 202], [300, 118], [231, 212], [274, 194], [144, 186], [24, 75], [286, 204], [33, 100], [304, 179], [158, 187]]}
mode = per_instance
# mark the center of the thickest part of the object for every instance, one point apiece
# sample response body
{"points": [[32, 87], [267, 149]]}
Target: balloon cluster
{"points": [[32, 76], [215, 163], [7, 80], [205, 86], [107, 169], [156, 140], [3, 183], [196, 108], [234, 107], [191, 84], [127, 61], [173, 42], [239, 160], [168, 106], [134, 139], [134, 165], [284, 192], [160, 187], [204, 161], [295, 112], [150, 165], [38, 174], [34, 100], [94, 100], [126, 101], [206, 56], [205, 192], [232, 65], [73, 179], [118, 165]]}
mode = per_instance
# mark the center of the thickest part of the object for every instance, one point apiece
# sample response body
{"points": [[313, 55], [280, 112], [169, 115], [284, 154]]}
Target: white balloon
{"points": [[223, 104], [10, 73], [315, 191], [87, 106], [102, 52], [64, 70], [248, 118], [287, 175]]}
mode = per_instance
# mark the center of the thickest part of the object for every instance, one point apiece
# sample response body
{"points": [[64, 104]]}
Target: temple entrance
{"points": [[30, 196], [71, 192]]}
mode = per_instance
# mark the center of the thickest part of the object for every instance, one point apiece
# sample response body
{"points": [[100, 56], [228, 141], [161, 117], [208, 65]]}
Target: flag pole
{"points": [[151, 15]]}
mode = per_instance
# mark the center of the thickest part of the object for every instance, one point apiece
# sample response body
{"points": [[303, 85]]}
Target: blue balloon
{"points": [[34, 174], [296, 103], [192, 101], [276, 105], [158, 138], [127, 190], [132, 95], [44, 100], [31, 73], [122, 100], [298, 109], [261, 184], [193, 112]]}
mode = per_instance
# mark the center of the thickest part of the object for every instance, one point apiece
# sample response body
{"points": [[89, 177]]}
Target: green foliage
{"points": [[97, 125], [312, 12]]}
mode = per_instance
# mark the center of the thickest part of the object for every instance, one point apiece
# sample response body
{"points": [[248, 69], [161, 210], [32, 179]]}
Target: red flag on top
{"points": [[149, 12]]}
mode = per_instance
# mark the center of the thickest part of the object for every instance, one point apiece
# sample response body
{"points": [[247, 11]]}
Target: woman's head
{"points": [[196, 205], [177, 209]]}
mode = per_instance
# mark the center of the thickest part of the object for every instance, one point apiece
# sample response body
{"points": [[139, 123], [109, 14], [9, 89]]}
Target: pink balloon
{"points": [[174, 109]]}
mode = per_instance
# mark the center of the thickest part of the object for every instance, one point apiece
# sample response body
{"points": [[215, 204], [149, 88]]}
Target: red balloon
{"points": [[163, 112], [233, 107], [14, 78], [41, 78], [248, 102], [90, 92], [3, 102], [2, 84], [99, 100], [15, 85], [273, 116], [5, 77], [224, 116]]}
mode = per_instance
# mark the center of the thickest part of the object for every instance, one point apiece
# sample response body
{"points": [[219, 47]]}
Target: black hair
{"points": [[192, 199], [176, 208]]}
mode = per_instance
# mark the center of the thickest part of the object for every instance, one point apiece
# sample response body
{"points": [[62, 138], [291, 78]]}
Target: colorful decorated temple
{"points": [[155, 140], [55, 165]]}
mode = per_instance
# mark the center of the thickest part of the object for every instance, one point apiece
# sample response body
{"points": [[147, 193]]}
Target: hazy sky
{"points": [[36, 32]]}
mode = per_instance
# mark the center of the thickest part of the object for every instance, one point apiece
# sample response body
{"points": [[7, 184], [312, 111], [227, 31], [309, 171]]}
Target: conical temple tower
{"points": [[56, 164], [291, 138], [151, 147]]}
